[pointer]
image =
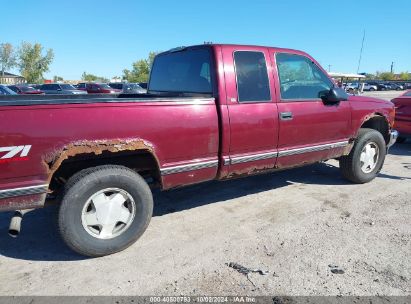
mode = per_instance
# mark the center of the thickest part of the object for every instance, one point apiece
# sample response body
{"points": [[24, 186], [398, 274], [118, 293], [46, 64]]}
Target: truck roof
{"points": [[276, 49]]}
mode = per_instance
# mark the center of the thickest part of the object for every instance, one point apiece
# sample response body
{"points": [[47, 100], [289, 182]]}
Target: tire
{"points": [[351, 166], [111, 184], [401, 140], [372, 90]]}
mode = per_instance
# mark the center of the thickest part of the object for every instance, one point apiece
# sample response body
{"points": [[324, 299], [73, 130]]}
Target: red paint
{"points": [[181, 133], [7, 160], [403, 113]]}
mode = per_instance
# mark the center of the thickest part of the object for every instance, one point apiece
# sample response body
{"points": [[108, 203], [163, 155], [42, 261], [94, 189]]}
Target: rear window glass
{"points": [[252, 76], [408, 93], [186, 71]]}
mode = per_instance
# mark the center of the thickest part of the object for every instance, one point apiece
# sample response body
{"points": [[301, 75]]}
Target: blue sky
{"points": [[104, 37]]}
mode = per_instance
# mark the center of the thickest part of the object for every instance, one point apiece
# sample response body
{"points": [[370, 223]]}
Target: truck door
{"points": [[251, 108], [310, 130]]}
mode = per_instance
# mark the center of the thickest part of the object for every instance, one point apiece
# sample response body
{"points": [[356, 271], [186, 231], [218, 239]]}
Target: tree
{"points": [[33, 64], [386, 76], [57, 78], [141, 69], [405, 76], [370, 76], [7, 57], [88, 77], [91, 77]]}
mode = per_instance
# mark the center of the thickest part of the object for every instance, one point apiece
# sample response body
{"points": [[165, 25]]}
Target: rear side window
{"points": [[185, 71], [301, 78], [252, 76]]}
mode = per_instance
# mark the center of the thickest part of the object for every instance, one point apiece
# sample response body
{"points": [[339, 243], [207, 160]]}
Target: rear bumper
{"points": [[393, 138]]}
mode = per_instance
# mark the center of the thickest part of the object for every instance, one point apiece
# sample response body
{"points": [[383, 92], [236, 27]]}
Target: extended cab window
{"points": [[182, 71], [252, 76], [300, 78]]}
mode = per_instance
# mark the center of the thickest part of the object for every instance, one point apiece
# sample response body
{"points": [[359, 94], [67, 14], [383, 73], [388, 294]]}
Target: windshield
{"points": [[186, 71], [67, 87], [104, 86]]}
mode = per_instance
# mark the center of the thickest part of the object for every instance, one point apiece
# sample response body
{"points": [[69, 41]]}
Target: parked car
{"points": [[380, 86], [351, 87], [36, 86], [6, 91], [388, 86], [128, 88], [370, 87], [354, 86], [60, 88], [219, 117], [144, 85], [81, 86], [396, 86], [25, 90], [403, 116], [102, 88]]}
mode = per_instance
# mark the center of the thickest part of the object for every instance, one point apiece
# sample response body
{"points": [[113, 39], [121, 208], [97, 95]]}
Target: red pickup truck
{"points": [[211, 112], [403, 116]]}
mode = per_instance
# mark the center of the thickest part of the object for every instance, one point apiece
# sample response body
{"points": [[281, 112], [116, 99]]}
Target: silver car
{"points": [[60, 88]]}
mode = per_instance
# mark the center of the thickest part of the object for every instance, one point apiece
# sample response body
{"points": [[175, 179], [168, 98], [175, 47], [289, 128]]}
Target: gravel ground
{"points": [[315, 234]]}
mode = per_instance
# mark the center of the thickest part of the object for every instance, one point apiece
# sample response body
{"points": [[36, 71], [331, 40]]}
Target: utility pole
{"points": [[329, 67], [362, 47], [392, 67]]}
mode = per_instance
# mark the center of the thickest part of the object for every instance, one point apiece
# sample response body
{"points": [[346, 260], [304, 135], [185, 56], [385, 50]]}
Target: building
{"points": [[9, 78]]}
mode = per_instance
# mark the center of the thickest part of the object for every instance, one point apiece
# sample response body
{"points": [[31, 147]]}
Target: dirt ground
{"points": [[314, 233]]}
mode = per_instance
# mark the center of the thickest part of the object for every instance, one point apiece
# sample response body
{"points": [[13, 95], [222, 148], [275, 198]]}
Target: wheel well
{"points": [[380, 124], [142, 162]]}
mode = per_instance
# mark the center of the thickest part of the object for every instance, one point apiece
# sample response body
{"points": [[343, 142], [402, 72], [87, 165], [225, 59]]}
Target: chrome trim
{"points": [[393, 138], [227, 161], [23, 191], [254, 157], [248, 158], [290, 152], [91, 100], [189, 167]]}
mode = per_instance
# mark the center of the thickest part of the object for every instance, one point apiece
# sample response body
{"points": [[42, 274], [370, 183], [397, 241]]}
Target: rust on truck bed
{"points": [[53, 160]]}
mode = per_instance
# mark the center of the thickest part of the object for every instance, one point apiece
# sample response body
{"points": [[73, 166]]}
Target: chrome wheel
{"points": [[108, 213], [369, 157]]}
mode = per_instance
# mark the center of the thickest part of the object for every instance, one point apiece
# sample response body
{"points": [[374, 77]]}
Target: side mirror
{"points": [[334, 96]]}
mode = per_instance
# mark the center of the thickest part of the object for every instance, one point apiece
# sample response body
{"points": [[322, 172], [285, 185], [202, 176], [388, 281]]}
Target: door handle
{"points": [[286, 115]]}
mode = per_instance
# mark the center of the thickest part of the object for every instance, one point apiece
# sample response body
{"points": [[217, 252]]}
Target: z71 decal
{"points": [[15, 153]]}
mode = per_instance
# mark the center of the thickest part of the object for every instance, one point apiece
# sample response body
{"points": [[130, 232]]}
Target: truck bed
{"points": [[38, 133]]}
